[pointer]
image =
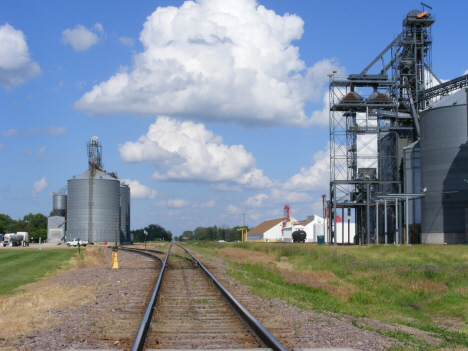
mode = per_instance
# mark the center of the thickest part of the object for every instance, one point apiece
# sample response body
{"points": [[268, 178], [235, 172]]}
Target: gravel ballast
{"points": [[112, 318]]}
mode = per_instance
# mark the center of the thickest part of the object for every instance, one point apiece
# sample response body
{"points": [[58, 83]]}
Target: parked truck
{"points": [[16, 239], [76, 241]]}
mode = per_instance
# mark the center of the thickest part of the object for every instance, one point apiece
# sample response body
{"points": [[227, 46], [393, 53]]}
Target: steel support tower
{"points": [[372, 117]]}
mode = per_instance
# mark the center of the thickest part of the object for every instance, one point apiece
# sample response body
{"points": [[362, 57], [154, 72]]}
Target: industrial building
{"points": [[281, 229], [96, 208], [398, 156], [268, 231], [55, 229], [313, 228]]}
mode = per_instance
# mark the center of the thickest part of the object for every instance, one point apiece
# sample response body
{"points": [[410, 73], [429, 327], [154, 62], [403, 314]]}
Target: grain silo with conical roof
{"points": [[94, 203]]}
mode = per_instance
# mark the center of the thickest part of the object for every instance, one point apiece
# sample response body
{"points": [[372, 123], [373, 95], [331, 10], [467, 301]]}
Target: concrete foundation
{"points": [[443, 238]]}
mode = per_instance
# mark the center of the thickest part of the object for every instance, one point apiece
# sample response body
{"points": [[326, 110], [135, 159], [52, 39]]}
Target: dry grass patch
{"points": [[33, 310], [463, 290], [426, 285], [315, 279], [92, 257], [246, 256], [321, 280], [451, 323]]}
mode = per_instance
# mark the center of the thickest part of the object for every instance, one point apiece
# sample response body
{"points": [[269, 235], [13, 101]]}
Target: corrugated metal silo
{"points": [[59, 204], [124, 212], [444, 166], [412, 185], [93, 207]]}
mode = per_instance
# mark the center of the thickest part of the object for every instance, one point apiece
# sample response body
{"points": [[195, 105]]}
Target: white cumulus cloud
{"points": [[282, 196], [257, 200], [52, 130], [216, 61], [232, 209], [16, 66], [209, 204], [81, 38], [126, 41], [10, 133], [186, 151], [39, 154], [139, 191], [174, 203], [313, 178], [39, 186], [255, 216]]}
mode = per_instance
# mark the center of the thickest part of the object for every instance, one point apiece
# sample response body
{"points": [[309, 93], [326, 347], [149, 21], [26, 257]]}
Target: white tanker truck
{"points": [[18, 239]]}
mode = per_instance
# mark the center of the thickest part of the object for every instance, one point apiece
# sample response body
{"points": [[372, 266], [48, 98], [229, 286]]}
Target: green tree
{"points": [[187, 234], [6, 224], [38, 233], [200, 233], [30, 223], [34, 222], [208, 233], [155, 231]]}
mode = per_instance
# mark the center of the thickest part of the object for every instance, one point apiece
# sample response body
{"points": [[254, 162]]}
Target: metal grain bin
{"points": [[59, 204], [93, 207], [412, 185], [124, 212], [444, 166]]}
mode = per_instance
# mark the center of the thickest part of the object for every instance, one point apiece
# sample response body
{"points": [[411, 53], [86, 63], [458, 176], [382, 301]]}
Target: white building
{"points": [[272, 230], [55, 229], [344, 234], [313, 228], [268, 231]]}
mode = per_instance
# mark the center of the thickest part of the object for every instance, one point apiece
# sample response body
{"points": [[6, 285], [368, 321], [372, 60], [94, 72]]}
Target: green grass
{"points": [[410, 285], [24, 266]]}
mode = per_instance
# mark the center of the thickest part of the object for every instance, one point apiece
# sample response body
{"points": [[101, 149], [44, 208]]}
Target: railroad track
{"points": [[190, 309]]}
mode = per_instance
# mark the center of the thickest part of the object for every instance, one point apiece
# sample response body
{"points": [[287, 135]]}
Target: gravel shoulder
{"points": [[109, 320]]}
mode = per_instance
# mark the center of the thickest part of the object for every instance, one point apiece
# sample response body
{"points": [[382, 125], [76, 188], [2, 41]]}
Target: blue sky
{"points": [[209, 109]]}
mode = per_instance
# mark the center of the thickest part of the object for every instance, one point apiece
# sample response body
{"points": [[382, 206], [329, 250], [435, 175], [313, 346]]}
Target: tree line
{"points": [[213, 233], [34, 224], [155, 232]]}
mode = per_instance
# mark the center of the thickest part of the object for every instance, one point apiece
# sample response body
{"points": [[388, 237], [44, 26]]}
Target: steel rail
{"points": [[176, 255], [146, 252], [141, 252], [140, 337], [264, 335]]}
